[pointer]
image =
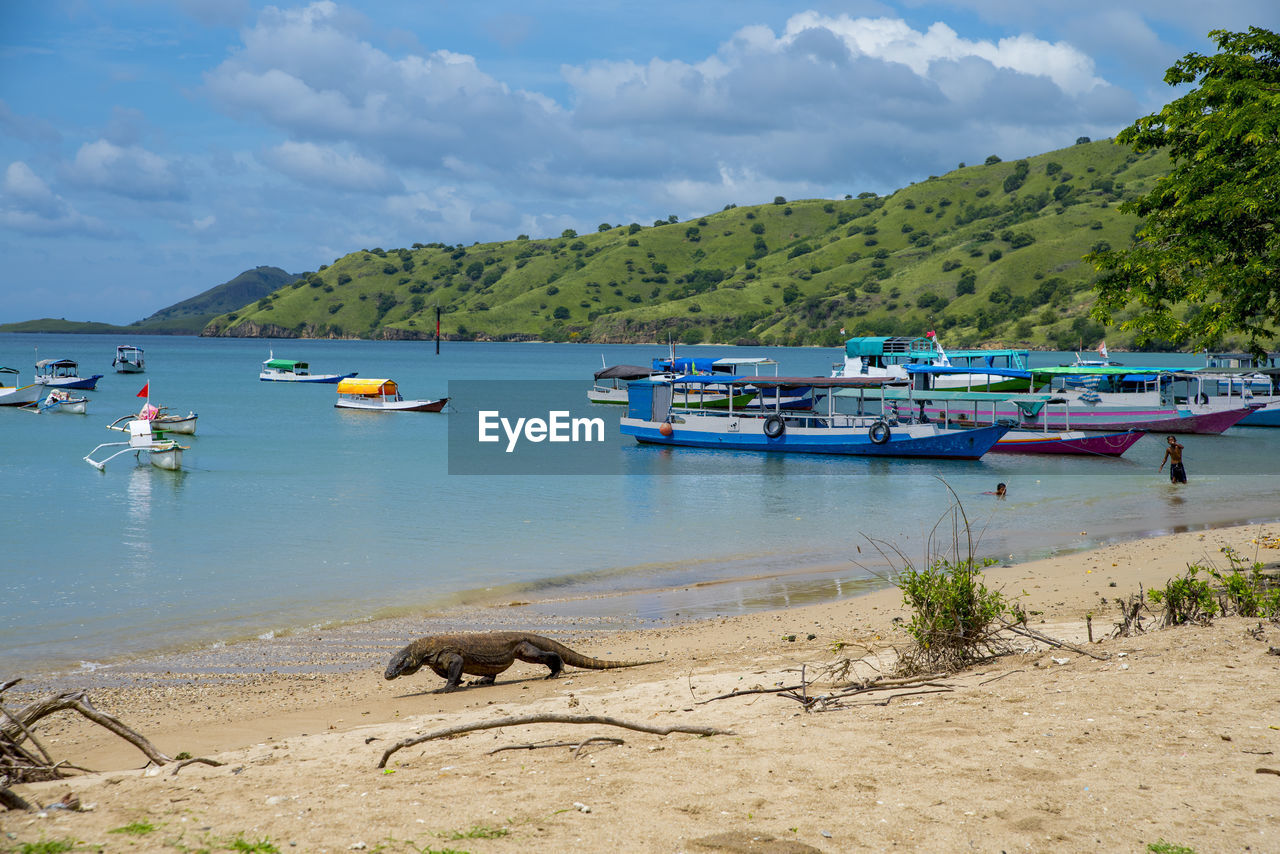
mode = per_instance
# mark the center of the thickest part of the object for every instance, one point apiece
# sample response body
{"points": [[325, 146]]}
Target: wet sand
{"points": [[1045, 750]]}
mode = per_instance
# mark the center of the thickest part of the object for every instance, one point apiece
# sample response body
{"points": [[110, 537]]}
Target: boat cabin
{"points": [[368, 389]]}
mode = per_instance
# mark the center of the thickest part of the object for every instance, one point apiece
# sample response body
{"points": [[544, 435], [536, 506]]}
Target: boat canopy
{"points": [[623, 372], [286, 365], [352, 385], [1029, 403], [951, 371], [780, 382], [876, 346], [685, 365], [56, 363], [738, 361], [8, 370], [1097, 371]]}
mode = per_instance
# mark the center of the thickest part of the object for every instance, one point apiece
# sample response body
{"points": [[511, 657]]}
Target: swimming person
{"points": [[1173, 456]]}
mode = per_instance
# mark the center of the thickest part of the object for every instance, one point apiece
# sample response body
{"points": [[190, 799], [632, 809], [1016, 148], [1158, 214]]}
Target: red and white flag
{"points": [[146, 390]]}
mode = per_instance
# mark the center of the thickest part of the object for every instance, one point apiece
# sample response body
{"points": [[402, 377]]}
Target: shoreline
{"points": [[1024, 751], [480, 609]]}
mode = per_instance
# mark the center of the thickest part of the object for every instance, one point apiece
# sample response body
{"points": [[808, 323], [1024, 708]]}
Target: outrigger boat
{"points": [[128, 360], [161, 452], [63, 373], [60, 400], [653, 419], [381, 396], [292, 371], [164, 420], [14, 394]]}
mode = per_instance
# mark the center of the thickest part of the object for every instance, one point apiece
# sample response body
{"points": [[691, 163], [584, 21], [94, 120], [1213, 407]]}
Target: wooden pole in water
{"points": [[437, 330]]}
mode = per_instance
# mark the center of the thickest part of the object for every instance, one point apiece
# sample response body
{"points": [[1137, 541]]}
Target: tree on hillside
{"points": [[1209, 239]]}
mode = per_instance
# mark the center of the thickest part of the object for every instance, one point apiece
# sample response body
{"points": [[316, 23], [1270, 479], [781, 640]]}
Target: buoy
{"points": [[665, 429]]}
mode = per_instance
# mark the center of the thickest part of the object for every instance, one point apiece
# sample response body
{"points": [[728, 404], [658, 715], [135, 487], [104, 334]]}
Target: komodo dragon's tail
{"points": [[577, 659]]}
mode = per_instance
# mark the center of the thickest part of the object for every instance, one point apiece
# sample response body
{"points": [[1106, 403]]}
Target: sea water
{"points": [[291, 513]]}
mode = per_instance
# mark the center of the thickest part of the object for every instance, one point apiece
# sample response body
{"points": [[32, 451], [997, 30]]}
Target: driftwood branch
{"points": [[1027, 631], [547, 719], [16, 724], [178, 766]]}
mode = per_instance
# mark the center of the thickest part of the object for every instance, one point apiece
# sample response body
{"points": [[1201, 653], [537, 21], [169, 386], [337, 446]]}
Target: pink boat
{"points": [[1073, 442]]}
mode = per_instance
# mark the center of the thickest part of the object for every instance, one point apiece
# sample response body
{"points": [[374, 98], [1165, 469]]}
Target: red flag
{"points": [[146, 390], [931, 334]]}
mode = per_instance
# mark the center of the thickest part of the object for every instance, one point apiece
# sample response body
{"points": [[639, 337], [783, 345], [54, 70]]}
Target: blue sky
{"points": [[150, 150]]}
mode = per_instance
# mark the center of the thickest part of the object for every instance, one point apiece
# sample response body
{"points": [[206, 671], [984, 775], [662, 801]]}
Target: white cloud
{"points": [[316, 164], [29, 206], [129, 171]]}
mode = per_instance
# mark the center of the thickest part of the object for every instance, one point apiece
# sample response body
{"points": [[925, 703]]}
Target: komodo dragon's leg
{"points": [[453, 662], [526, 651]]}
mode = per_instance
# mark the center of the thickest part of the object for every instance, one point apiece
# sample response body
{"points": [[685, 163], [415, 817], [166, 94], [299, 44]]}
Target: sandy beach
{"points": [[1173, 735]]}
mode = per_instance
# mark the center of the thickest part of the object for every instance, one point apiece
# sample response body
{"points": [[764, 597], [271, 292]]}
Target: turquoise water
{"points": [[290, 513]]}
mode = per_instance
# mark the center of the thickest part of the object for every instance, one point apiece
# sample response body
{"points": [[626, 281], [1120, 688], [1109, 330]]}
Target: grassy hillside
{"points": [[188, 317], [989, 253]]}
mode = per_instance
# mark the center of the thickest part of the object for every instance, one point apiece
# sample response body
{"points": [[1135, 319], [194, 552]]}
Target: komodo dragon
{"points": [[486, 654]]}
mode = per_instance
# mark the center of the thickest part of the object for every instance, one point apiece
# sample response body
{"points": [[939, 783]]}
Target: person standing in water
{"points": [[1173, 456]]}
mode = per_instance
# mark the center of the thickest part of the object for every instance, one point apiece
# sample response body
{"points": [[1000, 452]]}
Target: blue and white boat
{"points": [[652, 419], [292, 371], [890, 356], [63, 373]]}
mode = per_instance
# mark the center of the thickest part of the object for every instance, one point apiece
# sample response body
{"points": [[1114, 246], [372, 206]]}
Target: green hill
{"points": [[989, 253], [188, 317]]}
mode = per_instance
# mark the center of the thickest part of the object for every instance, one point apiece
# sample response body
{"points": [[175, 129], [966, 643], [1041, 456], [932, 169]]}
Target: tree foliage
{"points": [[1208, 241]]}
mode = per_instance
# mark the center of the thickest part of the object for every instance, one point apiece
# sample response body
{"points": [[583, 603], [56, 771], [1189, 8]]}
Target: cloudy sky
{"points": [[150, 149]]}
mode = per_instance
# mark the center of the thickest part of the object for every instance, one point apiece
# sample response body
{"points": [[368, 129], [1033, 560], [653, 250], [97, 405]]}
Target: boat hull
{"points": [[282, 377], [82, 383], [185, 425], [394, 405], [1267, 416], [1088, 444], [129, 368], [1113, 419], [20, 396], [169, 459], [747, 434]]}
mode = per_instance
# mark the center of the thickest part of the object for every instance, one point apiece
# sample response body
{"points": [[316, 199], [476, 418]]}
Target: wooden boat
{"points": [[707, 395], [12, 394], [63, 373], [292, 371], [1253, 387], [381, 395], [128, 360], [61, 400], [1031, 431], [651, 419], [164, 420], [163, 453], [1091, 409]]}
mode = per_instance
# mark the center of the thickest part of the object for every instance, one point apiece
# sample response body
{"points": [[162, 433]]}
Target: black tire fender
{"points": [[774, 426], [879, 432]]}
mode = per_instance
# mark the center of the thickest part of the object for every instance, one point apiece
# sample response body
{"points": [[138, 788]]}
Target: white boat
{"points": [[61, 400], [381, 395], [161, 452], [889, 358], [128, 360], [63, 373], [12, 394], [292, 371], [165, 421]]}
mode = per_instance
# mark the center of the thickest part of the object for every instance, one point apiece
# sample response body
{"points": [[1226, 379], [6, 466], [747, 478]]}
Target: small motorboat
{"points": [[63, 373], [381, 396], [161, 452], [291, 371], [128, 360]]}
